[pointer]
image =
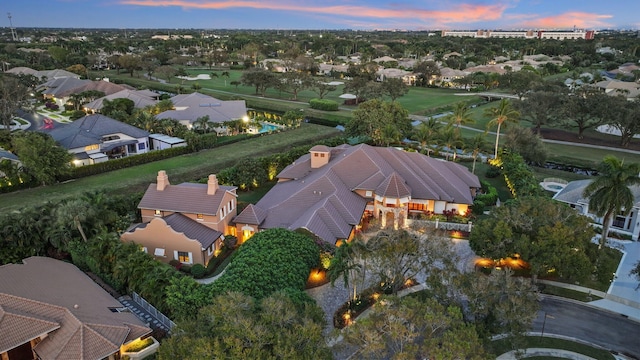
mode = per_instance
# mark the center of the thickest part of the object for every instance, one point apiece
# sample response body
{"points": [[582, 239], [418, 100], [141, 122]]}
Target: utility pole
{"points": [[14, 36]]}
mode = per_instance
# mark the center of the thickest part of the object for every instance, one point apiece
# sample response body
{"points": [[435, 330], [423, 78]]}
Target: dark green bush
{"points": [[198, 271], [478, 207], [493, 172], [230, 241], [323, 104]]}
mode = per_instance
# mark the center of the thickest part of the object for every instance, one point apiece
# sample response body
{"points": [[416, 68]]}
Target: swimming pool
{"points": [[268, 127]]}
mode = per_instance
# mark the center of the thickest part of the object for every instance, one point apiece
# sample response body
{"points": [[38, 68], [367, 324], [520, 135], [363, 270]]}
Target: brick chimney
{"points": [[162, 180], [212, 185]]}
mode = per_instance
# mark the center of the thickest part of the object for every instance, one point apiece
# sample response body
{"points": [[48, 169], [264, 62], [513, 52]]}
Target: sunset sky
{"points": [[325, 14]]}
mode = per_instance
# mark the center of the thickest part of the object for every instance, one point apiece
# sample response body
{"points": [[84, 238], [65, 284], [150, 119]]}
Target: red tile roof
{"points": [[188, 198], [323, 200], [58, 298]]}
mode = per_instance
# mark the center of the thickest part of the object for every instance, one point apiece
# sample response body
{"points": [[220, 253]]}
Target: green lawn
{"points": [[188, 167]]}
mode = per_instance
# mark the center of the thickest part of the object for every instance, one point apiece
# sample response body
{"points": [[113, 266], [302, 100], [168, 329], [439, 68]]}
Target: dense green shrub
{"points": [[489, 194], [478, 207], [323, 104], [198, 271], [271, 260], [492, 172]]}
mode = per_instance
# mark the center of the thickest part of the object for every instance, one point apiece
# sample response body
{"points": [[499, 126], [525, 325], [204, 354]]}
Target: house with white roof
{"points": [[188, 108], [572, 194]]}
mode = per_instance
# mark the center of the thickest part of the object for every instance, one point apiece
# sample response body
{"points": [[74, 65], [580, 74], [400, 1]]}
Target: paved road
{"points": [[587, 323]]}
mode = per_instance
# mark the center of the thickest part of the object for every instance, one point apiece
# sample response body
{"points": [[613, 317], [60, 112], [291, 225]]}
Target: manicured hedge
{"points": [[271, 260], [323, 104]]}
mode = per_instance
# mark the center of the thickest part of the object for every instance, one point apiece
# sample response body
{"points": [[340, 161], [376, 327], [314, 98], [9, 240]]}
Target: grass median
{"points": [[181, 168]]}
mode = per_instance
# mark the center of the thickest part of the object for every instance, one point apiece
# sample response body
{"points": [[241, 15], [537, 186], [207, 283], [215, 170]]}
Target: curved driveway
{"points": [[593, 325]]}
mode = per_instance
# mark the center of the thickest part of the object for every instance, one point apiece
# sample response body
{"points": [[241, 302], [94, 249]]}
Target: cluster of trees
{"points": [[139, 51], [43, 162], [237, 326], [457, 307]]}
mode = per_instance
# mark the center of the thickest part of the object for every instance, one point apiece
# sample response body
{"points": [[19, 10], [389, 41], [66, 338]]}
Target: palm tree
{"points": [[202, 123], [460, 116], [426, 132], [609, 193], [390, 134], [475, 145], [343, 265], [503, 113], [451, 140]]}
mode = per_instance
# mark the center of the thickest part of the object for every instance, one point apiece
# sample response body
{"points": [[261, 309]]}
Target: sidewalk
{"points": [[622, 296]]}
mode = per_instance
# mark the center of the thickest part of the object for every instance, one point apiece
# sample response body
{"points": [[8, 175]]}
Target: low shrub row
{"points": [[323, 104]]}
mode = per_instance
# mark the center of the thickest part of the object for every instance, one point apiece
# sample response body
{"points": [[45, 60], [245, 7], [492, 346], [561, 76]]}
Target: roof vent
{"points": [[75, 306]]}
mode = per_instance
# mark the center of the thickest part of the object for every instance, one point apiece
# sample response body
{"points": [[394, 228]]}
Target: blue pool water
{"points": [[268, 127]]}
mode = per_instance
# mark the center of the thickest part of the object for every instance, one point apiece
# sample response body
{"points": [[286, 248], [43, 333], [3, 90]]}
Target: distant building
{"points": [[526, 34]]}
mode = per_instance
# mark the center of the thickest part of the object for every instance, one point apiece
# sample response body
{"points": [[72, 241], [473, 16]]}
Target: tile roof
{"points": [[106, 87], [62, 85], [140, 100], [192, 229], [394, 186], [90, 129], [44, 293], [196, 105], [184, 198], [323, 200], [251, 215]]}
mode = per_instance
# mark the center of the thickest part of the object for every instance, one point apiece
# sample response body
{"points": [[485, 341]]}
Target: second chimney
{"points": [[212, 185], [162, 180]]}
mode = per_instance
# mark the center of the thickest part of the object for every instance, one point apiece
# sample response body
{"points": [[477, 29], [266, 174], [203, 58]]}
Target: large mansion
{"points": [[331, 190]]}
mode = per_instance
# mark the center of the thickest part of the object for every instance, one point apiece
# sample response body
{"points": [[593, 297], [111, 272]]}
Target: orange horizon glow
{"points": [[458, 13], [568, 20]]}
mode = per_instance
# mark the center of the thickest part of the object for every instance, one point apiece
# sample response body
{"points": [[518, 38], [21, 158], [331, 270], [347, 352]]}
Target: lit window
{"points": [[158, 213], [159, 252], [183, 257], [200, 216]]}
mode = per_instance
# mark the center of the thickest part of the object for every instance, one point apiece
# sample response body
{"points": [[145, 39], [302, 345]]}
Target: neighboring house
{"points": [[60, 90], [44, 74], [97, 138], [55, 88], [330, 191], [407, 77], [448, 76], [188, 108], [141, 99], [628, 89], [185, 222], [49, 309], [572, 194]]}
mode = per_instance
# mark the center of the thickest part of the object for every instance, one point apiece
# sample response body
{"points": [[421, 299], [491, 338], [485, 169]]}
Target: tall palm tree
{"points": [[460, 116], [609, 193], [450, 139], [343, 265], [475, 145], [501, 114], [427, 132]]}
